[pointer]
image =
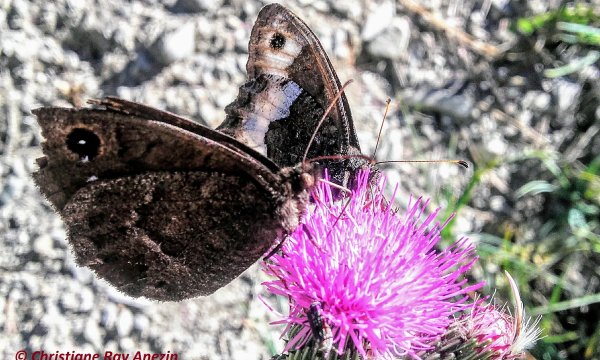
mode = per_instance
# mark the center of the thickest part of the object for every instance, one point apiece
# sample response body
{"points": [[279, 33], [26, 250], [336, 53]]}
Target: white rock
{"points": [[378, 20], [175, 45], [124, 322], [392, 42], [43, 245], [93, 334]]}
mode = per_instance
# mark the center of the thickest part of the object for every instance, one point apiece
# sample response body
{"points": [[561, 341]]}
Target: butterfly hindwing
{"points": [[159, 211]]}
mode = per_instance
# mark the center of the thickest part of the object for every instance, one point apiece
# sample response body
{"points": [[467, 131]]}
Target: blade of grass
{"points": [[566, 305]]}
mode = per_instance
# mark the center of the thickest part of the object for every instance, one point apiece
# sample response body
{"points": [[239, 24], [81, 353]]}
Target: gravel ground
{"points": [[188, 56]]}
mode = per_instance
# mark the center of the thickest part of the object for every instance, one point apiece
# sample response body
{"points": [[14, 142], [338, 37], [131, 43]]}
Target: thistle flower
{"points": [[499, 334], [383, 289], [491, 326]]}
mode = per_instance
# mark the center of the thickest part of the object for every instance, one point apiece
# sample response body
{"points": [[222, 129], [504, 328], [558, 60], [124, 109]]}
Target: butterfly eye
{"points": [[84, 143], [277, 41]]}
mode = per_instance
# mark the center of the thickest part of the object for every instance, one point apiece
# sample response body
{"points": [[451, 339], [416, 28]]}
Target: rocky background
{"points": [[463, 85]]}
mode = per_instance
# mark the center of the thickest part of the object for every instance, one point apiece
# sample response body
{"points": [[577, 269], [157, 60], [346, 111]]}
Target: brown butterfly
{"points": [[162, 207]]}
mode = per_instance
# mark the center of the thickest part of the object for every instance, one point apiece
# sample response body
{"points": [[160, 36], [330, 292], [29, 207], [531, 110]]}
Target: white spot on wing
{"points": [[272, 104], [92, 178], [276, 61]]}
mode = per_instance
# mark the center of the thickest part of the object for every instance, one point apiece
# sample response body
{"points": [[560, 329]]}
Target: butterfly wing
{"points": [[282, 44], [156, 210], [291, 82], [147, 112]]}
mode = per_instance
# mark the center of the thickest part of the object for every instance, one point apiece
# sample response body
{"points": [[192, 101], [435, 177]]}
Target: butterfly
{"points": [[162, 207]]}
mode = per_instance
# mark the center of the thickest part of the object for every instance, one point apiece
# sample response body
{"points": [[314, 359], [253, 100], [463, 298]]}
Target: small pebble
{"points": [[175, 45]]}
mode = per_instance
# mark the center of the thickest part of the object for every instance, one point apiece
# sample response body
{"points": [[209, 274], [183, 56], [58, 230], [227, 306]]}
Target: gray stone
{"points": [[86, 299], [124, 35], [175, 45], [497, 203], [31, 283], [69, 301], [197, 6], [567, 93], [378, 20], [93, 334], [352, 9], [124, 322], [48, 17], [52, 319], [128, 345], [496, 145], [18, 15], [445, 101], [91, 38], [537, 100], [13, 188], [109, 316], [81, 274], [43, 245], [391, 43], [141, 323]]}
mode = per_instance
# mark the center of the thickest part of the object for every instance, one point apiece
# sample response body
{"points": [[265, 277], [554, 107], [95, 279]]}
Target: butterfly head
{"points": [[302, 177], [298, 182]]}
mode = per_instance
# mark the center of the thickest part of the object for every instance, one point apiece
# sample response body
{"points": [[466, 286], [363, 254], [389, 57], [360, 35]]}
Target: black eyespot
{"points": [[277, 41], [84, 143]]}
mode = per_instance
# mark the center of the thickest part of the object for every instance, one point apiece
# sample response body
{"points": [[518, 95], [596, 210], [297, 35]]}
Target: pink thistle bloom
{"points": [[490, 326], [379, 280], [506, 336]]}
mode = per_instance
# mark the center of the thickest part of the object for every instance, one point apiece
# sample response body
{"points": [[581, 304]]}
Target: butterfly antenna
{"points": [[327, 111], [387, 108], [341, 157], [443, 161]]}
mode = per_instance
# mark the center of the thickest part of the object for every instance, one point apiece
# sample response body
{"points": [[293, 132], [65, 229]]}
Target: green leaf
{"points": [[574, 66], [576, 220], [525, 26], [535, 187]]}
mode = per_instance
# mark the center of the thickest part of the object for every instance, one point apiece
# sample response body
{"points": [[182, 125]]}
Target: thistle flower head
{"points": [[491, 326], [381, 285], [503, 335]]}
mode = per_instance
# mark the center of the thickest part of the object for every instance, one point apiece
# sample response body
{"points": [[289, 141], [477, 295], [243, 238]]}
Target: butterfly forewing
{"points": [[290, 83]]}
